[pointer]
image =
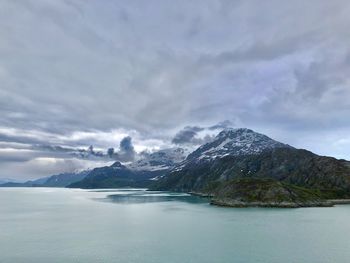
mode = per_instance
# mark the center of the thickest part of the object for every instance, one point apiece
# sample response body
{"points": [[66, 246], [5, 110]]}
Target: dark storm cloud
{"points": [[222, 125], [195, 135], [187, 135], [126, 145], [6, 157], [80, 73], [126, 150], [18, 139]]}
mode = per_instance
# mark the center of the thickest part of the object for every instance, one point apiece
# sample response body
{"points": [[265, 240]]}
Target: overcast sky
{"points": [[75, 73]]}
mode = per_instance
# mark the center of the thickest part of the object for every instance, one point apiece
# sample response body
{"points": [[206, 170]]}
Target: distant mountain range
{"points": [[7, 180], [239, 167], [115, 176], [58, 180], [141, 173]]}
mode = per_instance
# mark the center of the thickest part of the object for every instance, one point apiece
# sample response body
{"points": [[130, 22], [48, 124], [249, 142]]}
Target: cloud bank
{"points": [[77, 73]]}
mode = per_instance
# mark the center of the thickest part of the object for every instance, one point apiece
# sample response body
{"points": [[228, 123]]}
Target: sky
{"points": [[146, 75]]}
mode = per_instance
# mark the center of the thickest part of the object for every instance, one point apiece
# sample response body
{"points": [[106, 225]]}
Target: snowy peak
{"points": [[159, 160], [117, 165], [232, 133], [235, 142]]}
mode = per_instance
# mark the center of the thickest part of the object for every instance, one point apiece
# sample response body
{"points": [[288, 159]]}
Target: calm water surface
{"points": [[65, 225]]}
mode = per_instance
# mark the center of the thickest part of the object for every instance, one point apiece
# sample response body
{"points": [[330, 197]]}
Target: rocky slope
{"points": [[243, 154], [265, 192]]}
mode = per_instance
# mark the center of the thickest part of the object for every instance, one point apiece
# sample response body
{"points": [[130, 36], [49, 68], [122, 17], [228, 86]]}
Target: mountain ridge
{"points": [[141, 173], [255, 156], [56, 180], [238, 141]]}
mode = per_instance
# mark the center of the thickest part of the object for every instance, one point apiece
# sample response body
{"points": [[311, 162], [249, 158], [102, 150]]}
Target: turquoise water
{"points": [[65, 225]]}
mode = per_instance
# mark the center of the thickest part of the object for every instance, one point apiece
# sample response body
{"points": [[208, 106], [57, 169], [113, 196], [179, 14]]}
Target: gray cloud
{"points": [[126, 150], [195, 135], [187, 135], [80, 73], [126, 145], [222, 125]]}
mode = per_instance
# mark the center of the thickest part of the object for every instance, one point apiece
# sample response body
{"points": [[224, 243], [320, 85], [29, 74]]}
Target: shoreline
{"points": [[340, 201], [242, 204]]}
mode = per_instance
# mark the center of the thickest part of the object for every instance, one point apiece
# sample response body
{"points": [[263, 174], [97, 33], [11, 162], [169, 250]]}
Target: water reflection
{"points": [[143, 196], [109, 190]]}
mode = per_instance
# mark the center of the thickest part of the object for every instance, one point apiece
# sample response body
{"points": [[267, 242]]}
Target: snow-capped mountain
{"points": [[235, 142], [242, 167], [159, 160]]}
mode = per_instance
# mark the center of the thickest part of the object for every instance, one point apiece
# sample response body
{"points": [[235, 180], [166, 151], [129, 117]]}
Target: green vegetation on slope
{"points": [[279, 175]]}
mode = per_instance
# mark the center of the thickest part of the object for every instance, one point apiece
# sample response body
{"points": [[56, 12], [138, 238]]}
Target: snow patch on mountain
{"points": [[234, 142], [159, 160]]}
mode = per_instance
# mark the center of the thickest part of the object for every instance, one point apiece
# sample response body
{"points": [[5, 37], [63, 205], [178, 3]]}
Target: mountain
{"points": [[64, 179], [141, 173], [235, 142], [265, 192], [216, 169], [159, 160], [8, 180], [117, 175], [59, 180], [32, 183], [136, 174]]}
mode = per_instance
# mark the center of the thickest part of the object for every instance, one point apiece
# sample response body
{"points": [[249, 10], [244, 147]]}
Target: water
{"points": [[65, 225]]}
